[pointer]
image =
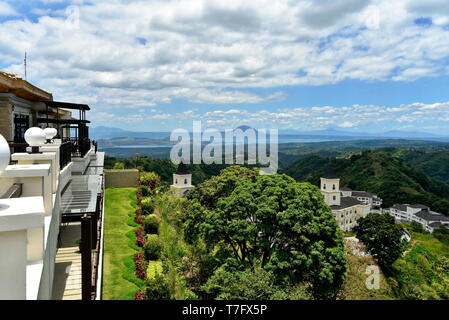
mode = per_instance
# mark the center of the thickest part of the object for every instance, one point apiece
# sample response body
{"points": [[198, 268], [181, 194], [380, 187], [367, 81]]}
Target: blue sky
{"points": [[359, 65]]}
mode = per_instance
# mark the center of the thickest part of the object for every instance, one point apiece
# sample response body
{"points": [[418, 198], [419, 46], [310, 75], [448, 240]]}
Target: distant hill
{"points": [[390, 177], [434, 164], [98, 133], [103, 132], [290, 152], [332, 132]]}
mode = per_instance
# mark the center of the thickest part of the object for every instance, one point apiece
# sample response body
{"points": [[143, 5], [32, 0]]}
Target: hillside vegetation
{"points": [[423, 272], [435, 164]]}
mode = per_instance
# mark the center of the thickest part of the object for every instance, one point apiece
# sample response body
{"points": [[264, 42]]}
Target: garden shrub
{"points": [[157, 288], [139, 198], [150, 179], [153, 247], [148, 206], [138, 219], [140, 295], [146, 191], [152, 222], [141, 266], [140, 237]]}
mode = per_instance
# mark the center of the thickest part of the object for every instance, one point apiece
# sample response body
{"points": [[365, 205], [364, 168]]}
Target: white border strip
{"points": [[100, 253]]}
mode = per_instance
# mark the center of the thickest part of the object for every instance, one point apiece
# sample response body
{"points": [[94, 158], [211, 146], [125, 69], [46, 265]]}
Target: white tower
{"points": [[330, 188], [182, 179]]}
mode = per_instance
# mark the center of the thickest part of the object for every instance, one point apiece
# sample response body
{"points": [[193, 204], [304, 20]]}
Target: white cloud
{"points": [[6, 9], [354, 117], [141, 54]]}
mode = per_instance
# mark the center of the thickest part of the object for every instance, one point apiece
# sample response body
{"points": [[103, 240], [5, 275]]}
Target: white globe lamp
{"points": [[35, 137], [50, 133], [5, 153]]}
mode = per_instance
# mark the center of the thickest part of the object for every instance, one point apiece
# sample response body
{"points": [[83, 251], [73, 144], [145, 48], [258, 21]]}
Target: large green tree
{"points": [[210, 191], [382, 237], [275, 223]]}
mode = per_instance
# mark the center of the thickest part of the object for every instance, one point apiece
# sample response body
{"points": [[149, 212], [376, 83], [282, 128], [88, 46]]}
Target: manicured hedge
{"points": [[151, 223], [153, 247]]}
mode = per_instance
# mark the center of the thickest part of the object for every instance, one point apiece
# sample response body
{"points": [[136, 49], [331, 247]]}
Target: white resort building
{"points": [[347, 206], [430, 220], [51, 195]]}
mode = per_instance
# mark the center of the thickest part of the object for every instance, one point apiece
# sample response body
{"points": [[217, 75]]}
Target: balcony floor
{"points": [[67, 281]]}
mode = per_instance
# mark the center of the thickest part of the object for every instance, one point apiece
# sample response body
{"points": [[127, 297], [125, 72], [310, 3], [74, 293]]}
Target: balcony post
{"points": [[86, 258]]}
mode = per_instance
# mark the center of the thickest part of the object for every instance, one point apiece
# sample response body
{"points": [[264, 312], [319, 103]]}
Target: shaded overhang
{"points": [[11, 83], [67, 105], [62, 121]]}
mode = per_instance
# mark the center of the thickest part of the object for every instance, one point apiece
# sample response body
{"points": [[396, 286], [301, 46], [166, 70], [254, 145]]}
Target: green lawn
{"points": [[119, 281]]}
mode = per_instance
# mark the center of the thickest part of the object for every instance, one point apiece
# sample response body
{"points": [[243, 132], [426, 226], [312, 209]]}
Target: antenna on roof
{"points": [[25, 65]]}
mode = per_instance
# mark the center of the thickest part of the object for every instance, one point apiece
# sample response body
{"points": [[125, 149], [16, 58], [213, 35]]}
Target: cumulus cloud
{"points": [[6, 9], [354, 117], [142, 54]]}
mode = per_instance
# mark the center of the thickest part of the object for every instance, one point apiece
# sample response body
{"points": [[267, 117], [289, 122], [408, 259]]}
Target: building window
{"points": [[176, 182], [333, 187], [21, 125], [335, 198], [324, 186], [185, 181]]}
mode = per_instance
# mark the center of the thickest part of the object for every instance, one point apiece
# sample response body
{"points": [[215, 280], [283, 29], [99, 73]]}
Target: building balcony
{"points": [[38, 196]]}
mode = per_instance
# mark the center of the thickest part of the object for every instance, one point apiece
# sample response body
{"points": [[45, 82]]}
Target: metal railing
{"points": [[65, 154], [80, 147]]}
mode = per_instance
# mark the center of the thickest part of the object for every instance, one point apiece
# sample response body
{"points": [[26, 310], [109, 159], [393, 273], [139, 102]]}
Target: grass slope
{"points": [[119, 282], [355, 287], [423, 272]]}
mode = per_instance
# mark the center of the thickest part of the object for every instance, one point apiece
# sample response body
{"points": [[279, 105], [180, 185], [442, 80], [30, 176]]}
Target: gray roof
{"points": [[345, 189], [400, 207], [418, 206], [362, 194], [346, 202], [329, 173], [431, 216], [182, 169]]}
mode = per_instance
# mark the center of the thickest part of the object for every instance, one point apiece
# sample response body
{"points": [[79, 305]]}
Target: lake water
{"points": [[280, 141]]}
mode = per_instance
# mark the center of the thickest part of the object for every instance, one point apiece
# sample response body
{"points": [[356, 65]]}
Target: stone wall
{"points": [[121, 178], [5, 119]]}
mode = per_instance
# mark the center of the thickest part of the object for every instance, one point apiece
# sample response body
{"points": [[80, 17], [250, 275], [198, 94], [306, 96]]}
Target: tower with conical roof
{"points": [[182, 179], [330, 187]]}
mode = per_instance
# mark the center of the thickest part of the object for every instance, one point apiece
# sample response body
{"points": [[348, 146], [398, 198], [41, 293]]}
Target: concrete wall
{"points": [[79, 165], [13, 253], [121, 178]]}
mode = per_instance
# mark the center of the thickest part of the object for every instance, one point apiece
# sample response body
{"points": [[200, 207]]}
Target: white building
{"points": [[43, 193], [430, 220], [348, 206], [371, 199]]}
